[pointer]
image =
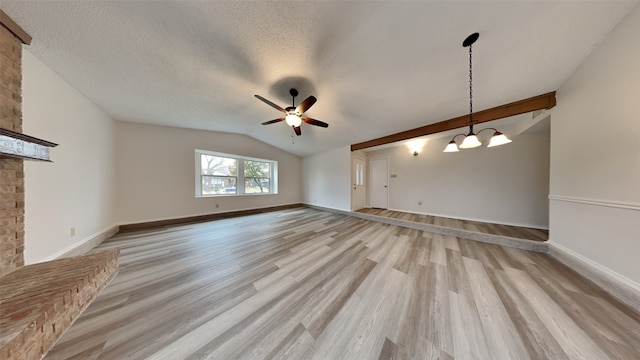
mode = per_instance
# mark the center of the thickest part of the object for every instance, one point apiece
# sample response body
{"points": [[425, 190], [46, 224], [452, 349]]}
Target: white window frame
{"points": [[240, 180]]}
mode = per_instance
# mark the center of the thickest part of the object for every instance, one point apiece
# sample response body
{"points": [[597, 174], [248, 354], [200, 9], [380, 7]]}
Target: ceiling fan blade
{"points": [[275, 106], [315, 122], [297, 130], [306, 104], [272, 121]]}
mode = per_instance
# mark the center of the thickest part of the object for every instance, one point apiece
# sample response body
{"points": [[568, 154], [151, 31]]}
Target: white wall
{"points": [[326, 179], [77, 189], [507, 184], [595, 155], [156, 177]]}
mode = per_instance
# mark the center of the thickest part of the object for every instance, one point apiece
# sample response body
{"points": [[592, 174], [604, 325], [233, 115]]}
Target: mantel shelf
{"points": [[14, 144]]}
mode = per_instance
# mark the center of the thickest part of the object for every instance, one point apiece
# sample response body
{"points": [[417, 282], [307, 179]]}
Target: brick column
{"points": [[11, 170]]}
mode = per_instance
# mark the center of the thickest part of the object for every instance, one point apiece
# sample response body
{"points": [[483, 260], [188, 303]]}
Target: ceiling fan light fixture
{"points": [[498, 139], [292, 114], [293, 120]]}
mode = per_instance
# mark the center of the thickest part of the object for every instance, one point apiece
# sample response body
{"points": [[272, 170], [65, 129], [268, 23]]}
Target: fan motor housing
{"points": [[291, 110]]}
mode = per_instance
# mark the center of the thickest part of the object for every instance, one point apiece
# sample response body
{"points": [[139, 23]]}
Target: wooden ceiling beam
{"points": [[544, 101], [15, 29]]}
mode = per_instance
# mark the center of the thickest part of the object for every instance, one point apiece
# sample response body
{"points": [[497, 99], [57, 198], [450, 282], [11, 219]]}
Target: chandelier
{"points": [[471, 139]]}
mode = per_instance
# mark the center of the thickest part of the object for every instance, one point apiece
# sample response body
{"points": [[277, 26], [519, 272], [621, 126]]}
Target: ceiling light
{"points": [[452, 147], [293, 120], [415, 146], [471, 139], [498, 138]]}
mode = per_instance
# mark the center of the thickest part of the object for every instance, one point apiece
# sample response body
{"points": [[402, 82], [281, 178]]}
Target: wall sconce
{"points": [[415, 146]]}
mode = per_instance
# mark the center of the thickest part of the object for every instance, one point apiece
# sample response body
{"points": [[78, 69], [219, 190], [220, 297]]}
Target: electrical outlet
{"points": [[72, 231]]}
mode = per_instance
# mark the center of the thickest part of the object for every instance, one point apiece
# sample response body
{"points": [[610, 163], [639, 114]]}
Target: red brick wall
{"points": [[11, 170]]}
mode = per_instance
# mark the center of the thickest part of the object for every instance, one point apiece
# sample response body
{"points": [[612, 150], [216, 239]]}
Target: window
{"points": [[257, 176], [219, 174], [359, 174]]}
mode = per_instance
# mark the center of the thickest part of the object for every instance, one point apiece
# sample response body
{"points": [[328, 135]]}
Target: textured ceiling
{"points": [[377, 68]]}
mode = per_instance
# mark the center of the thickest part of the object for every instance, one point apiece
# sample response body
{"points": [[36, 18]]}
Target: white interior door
{"points": [[379, 184], [358, 194]]}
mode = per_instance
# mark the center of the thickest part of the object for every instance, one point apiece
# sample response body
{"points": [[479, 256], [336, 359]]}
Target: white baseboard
{"points": [[620, 287], [84, 246]]}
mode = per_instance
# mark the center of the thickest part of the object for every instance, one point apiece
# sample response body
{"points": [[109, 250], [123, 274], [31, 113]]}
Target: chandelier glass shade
{"points": [[452, 147], [497, 139], [470, 141]]}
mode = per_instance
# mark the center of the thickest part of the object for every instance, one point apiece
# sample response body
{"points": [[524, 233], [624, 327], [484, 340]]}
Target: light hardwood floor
{"points": [[310, 284], [518, 232]]}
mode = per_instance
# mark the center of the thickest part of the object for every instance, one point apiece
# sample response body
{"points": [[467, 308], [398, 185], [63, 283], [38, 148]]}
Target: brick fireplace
{"points": [[38, 302], [11, 170]]}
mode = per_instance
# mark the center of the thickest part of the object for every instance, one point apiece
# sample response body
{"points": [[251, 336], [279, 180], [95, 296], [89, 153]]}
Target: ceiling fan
{"points": [[293, 114]]}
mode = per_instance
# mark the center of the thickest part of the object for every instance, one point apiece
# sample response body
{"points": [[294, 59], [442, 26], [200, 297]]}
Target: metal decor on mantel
{"points": [[17, 145]]}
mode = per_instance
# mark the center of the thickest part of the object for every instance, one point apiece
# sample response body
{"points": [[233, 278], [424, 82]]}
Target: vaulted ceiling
{"points": [[376, 67]]}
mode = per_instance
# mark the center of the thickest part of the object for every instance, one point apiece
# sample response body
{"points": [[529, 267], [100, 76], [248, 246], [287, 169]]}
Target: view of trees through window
{"points": [[223, 174], [256, 176], [219, 175]]}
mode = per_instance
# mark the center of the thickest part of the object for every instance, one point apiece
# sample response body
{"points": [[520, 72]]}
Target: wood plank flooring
{"points": [[518, 232], [309, 284]]}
